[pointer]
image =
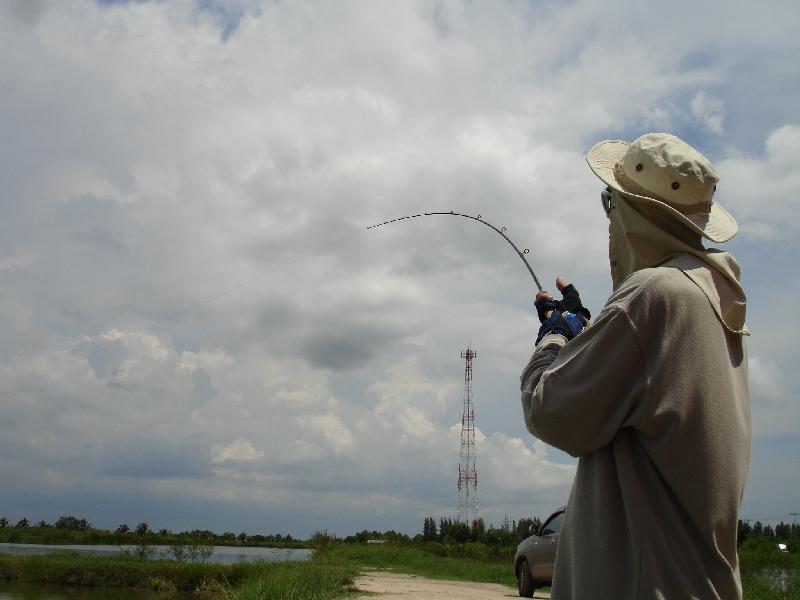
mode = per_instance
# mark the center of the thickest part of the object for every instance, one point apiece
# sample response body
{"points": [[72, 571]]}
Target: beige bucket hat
{"points": [[662, 170]]}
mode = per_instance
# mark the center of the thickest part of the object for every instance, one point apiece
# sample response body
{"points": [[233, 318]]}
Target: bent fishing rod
{"points": [[479, 219]]}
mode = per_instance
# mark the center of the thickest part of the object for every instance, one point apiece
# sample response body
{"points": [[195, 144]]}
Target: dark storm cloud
{"points": [[342, 348], [149, 457]]}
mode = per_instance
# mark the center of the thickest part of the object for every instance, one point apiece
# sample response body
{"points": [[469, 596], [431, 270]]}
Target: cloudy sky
{"points": [[197, 328]]}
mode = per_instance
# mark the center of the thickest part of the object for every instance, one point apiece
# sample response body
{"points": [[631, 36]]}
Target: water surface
{"points": [[223, 555]]}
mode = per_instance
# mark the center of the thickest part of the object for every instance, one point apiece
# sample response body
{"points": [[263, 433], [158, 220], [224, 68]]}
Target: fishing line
{"points": [[479, 219]]}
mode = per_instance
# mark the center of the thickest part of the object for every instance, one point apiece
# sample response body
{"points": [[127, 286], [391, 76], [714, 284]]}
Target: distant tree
{"points": [[393, 536], [73, 523], [42, 524], [758, 529], [744, 531], [228, 536], [202, 534], [142, 528], [3, 522], [458, 533], [123, 528], [527, 527], [164, 532], [768, 531], [22, 523], [444, 528], [242, 537], [429, 529], [783, 531]]}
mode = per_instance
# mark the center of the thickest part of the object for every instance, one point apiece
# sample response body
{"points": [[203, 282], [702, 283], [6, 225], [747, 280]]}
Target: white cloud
{"points": [[330, 428], [192, 305], [240, 449], [709, 111], [763, 193], [774, 403]]}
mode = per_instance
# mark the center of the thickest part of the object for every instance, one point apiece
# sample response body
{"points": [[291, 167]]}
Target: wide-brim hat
{"points": [[662, 170]]}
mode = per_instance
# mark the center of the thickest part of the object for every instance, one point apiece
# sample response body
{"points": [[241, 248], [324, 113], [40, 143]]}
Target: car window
{"points": [[553, 525]]}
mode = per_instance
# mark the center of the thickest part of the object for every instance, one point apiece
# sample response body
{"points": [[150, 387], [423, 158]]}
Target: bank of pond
{"points": [[329, 574], [72, 576]]}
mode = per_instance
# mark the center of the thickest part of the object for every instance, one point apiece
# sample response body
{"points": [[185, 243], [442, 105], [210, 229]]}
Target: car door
{"points": [[545, 550]]}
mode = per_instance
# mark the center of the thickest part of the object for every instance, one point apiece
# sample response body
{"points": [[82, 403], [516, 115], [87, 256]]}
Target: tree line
{"points": [[71, 529], [449, 531], [782, 532]]}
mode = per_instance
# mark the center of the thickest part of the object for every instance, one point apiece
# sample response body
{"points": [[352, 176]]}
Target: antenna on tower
{"points": [[467, 467]]}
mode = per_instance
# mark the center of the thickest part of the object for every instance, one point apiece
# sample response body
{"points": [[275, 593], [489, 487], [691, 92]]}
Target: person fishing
{"points": [[652, 398]]}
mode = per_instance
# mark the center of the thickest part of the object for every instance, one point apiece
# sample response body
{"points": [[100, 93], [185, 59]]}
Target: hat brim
{"points": [[718, 225]]}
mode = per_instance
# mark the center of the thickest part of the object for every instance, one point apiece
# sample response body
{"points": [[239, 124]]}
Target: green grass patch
{"points": [[73, 568], [419, 561], [321, 579], [771, 586]]}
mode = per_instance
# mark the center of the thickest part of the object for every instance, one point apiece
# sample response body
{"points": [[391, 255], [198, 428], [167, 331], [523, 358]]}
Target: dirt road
{"points": [[394, 586]]}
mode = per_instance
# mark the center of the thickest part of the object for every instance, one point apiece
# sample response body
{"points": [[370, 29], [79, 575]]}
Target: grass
{"points": [[320, 579], [758, 558], [418, 561], [761, 587], [73, 568], [323, 579]]}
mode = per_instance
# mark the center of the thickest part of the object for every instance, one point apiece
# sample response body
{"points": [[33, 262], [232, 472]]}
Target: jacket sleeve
{"points": [[576, 396]]}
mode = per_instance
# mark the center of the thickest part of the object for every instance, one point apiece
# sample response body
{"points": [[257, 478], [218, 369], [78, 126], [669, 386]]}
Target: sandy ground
{"points": [[410, 587]]}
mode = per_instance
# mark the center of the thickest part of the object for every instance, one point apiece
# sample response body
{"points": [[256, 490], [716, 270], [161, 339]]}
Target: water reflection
{"points": [[223, 555]]}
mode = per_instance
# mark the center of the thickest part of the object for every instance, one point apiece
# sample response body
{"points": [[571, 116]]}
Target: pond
{"points": [[35, 591], [224, 555]]}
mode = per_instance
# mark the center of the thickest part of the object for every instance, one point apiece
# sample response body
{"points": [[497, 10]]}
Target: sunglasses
{"points": [[605, 200]]}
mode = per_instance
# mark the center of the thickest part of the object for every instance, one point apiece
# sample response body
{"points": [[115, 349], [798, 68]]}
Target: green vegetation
{"points": [[322, 579], [121, 571], [444, 550], [72, 530], [419, 560], [768, 574]]}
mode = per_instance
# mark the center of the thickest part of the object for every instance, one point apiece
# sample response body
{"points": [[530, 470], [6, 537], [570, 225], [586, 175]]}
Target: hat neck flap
{"points": [[642, 236]]}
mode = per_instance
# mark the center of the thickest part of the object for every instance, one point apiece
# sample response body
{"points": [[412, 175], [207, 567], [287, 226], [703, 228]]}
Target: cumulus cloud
{"points": [[240, 449], [764, 191], [709, 111], [774, 402], [193, 312]]}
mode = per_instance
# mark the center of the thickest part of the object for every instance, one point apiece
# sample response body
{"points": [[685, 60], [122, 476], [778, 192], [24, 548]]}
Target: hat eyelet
{"points": [[639, 166], [675, 185]]}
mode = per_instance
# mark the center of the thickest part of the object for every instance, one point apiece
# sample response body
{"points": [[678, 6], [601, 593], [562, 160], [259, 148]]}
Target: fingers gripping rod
{"points": [[501, 231]]}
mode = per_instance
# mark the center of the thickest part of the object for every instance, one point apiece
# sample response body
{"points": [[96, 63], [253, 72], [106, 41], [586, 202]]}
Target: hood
{"points": [[642, 236]]}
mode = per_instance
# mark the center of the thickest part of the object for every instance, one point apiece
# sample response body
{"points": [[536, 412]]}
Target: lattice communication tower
{"points": [[467, 466]]}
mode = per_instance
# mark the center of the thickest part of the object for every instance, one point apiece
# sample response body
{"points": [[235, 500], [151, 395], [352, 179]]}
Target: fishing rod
{"points": [[479, 219]]}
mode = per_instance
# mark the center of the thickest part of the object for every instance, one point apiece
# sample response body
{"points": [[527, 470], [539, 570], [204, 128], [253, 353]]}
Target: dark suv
{"points": [[536, 555]]}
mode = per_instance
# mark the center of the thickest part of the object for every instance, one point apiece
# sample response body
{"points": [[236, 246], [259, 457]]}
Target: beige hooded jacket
{"points": [[653, 399]]}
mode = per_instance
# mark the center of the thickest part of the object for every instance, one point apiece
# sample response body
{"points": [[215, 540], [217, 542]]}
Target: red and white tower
{"points": [[467, 467]]}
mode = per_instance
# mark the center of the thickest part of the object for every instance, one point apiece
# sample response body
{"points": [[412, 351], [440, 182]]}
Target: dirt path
{"points": [[395, 586]]}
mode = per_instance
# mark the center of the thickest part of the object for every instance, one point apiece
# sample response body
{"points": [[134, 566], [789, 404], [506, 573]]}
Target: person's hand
{"points": [[567, 317]]}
